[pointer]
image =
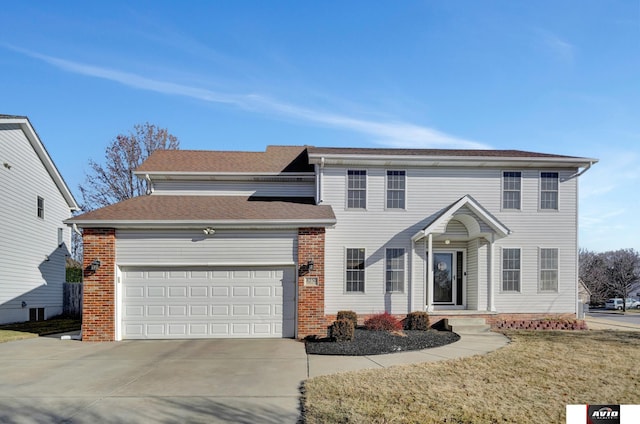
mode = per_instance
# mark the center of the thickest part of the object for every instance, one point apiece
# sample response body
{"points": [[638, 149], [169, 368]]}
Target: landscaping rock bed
{"points": [[367, 342]]}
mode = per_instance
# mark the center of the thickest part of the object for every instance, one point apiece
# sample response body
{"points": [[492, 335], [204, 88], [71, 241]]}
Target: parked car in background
{"points": [[617, 304]]}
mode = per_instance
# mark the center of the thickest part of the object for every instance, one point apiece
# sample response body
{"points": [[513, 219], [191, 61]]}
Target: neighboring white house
{"points": [[34, 242], [275, 243]]}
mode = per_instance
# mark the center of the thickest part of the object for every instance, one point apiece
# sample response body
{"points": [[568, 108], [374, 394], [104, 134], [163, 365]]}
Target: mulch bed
{"points": [[366, 342]]}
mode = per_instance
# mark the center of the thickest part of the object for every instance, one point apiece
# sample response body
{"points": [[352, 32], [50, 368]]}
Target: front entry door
{"points": [[448, 278]]}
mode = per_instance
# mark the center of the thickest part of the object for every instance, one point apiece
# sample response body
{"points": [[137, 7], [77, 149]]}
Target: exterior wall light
{"points": [[209, 231], [95, 264]]}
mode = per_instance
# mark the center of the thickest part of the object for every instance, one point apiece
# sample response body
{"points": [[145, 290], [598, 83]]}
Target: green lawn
{"points": [[529, 381]]}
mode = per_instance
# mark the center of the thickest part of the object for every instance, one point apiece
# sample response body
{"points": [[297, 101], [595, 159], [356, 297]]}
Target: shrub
{"points": [[342, 330], [418, 320], [349, 315], [383, 322]]}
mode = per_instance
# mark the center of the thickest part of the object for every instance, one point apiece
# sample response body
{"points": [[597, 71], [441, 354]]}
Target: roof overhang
{"points": [[44, 157], [450, 161], [199, 224], [439, 224], [228, 176]]}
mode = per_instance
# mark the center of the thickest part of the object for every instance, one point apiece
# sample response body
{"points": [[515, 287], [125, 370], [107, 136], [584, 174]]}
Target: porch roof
{"points": [[472, 221]]}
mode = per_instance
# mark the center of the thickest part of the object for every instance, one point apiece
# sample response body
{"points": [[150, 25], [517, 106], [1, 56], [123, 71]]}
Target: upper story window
{"points": [[356, 189], [355, 270], [549, 190], [394, 270], [396, 183], [548, 270], [511, 270], [40, 207], [511, 189]]}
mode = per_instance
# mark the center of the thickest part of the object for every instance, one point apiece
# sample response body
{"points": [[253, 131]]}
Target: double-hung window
{"points": [[511, 189], [356, 189], [395, 270], [549, 190], [40, 207], [548, 270], [396, 183], [511, 270], [355, 270]]}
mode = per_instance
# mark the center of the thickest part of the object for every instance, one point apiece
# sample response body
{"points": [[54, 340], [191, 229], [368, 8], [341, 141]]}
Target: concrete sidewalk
{"points": [[608, 324], [468, 345]]}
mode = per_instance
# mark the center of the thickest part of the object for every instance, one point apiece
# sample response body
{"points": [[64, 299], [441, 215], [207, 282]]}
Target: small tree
{"points": [[593, 272], [623, 269], [114, 181]]}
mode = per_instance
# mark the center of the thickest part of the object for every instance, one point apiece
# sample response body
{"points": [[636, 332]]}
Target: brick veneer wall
{"points": [[99, 296], [311, 319]]}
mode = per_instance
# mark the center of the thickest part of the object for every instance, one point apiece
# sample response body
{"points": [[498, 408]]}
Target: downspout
{"points": [[577, 174], [320, 173], [149, 184]]}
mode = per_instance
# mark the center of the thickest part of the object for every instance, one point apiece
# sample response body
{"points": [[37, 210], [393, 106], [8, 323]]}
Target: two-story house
{"points": [[275, 243], [34, 242]]}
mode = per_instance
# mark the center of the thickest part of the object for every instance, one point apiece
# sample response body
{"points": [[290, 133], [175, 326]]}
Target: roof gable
{"points": [[43, 155]]}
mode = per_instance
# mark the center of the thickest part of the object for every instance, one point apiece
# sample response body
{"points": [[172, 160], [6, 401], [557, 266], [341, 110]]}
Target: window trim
{"points": [[386, 189], [40, 207], [502, 270], [346, 270], [502, 190], [366, 189], [540, 208], [540, 269], [404, 269]]}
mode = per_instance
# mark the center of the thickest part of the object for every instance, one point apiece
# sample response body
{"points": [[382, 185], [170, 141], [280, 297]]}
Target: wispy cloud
{"points": [[384, 133], [559, 47]]}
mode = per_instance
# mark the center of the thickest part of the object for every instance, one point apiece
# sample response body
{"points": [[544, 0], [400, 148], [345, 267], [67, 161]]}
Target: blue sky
{"points": [[550, 76]]}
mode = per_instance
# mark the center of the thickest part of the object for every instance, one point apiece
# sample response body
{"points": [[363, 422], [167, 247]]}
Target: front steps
{"points": [[466, 325]]}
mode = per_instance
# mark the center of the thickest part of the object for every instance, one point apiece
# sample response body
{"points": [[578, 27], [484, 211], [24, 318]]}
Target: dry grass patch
{"points": [[529, 381], [10, 335]]}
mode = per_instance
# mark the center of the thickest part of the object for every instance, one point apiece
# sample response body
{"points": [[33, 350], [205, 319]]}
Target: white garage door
{"points": [[180, 303]]}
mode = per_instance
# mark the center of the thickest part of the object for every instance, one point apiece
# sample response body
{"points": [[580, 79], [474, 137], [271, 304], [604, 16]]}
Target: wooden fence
{"points": [[72, 304]]}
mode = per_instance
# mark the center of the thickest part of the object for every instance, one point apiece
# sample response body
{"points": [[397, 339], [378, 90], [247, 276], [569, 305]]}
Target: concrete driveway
{"points": [[46, 380]]}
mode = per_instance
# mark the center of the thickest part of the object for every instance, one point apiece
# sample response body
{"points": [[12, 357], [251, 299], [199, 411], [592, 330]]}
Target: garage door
{"points": [[180, 303]]}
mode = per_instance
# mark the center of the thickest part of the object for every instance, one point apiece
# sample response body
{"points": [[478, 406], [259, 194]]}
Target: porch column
{"points": [[491, 288], [430, 273]]}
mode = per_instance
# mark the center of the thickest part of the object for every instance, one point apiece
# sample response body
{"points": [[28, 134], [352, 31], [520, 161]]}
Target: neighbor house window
{"points": [[549, 270], [396, 189], [355, 270], [395, 270], [40, 207], [356, 189], [549, 190], [511, 188], [511, 270]]}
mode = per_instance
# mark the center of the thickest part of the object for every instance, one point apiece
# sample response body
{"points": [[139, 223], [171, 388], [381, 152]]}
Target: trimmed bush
{"points": [[342, 330], [383, 322], [418, 320], [350, 315]]}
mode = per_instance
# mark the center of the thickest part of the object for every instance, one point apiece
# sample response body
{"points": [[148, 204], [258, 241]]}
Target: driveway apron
{"points": [[46, 380]]}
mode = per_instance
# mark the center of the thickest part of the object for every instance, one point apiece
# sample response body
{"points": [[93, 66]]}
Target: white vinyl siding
{"points": [[192, 247], [549, 270], [511, 190], [549, 190], [394, 270], [237, 188], [396, 189], [429, 190], [511, 270], [26, 242], [355, 270], [356, 189]]}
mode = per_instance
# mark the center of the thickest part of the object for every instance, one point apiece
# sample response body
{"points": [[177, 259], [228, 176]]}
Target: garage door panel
{"points": [[250, 302]]}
